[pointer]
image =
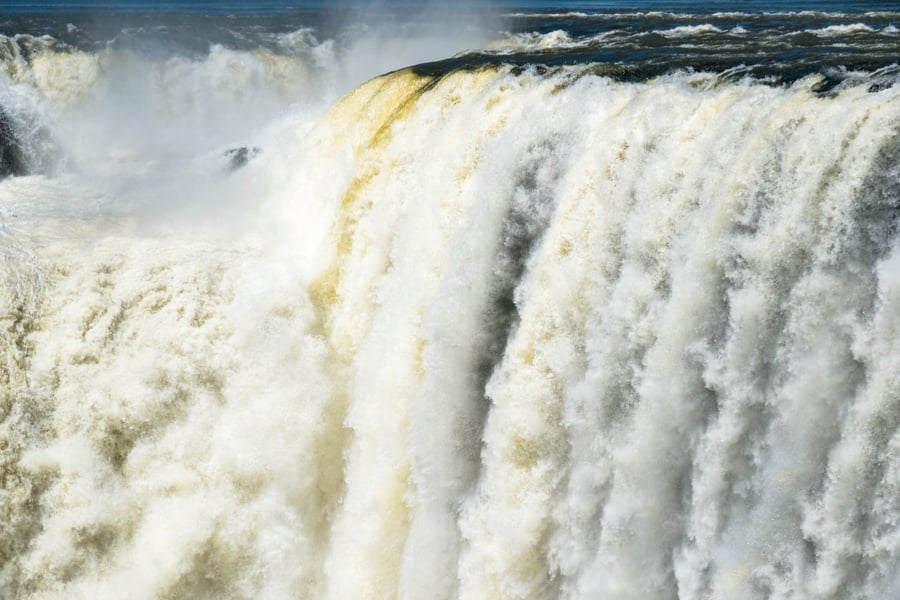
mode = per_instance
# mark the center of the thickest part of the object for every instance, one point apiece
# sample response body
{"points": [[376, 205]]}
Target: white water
{"points": [[509, 336]]}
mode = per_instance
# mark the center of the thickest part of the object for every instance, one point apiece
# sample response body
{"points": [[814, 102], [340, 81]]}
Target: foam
{"points": [[621, 340]]}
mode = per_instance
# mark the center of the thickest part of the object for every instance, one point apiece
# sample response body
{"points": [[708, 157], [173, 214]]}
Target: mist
{"points": [[147, 107]]}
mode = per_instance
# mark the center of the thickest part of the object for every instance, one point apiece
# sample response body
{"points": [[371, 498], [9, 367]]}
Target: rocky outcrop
{"points": [[238, 157], [12, 159]]}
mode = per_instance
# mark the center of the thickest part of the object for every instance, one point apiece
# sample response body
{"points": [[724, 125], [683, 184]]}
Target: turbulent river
{"points": [[567, 304]]}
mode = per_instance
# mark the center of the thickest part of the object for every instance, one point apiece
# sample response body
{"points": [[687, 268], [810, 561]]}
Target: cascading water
{"points": [[497, 327]]}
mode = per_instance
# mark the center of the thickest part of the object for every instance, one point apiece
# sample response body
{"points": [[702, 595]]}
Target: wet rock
{"points": [[238, 157], [12, 159]]}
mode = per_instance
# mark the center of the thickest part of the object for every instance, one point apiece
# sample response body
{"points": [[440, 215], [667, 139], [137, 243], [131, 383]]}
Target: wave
{"points": [[534, 41], [554, 15], [762, 34], [641, 15], [689, 30], [838, 30]]}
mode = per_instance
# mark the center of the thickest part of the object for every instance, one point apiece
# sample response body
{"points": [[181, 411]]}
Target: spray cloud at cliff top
{"points": [[304, 300]]}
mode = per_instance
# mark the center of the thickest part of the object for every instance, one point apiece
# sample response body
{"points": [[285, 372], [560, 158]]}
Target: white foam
{"points": [[490, 335], [689, 30], [840, 30]]}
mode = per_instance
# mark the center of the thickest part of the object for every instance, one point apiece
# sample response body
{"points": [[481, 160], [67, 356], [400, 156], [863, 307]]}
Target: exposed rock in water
{"points": [[12, 159], [238, 157]]}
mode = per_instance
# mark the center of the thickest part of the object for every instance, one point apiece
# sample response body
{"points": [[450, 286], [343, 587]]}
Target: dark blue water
{"points": [[773, 41], [268, 7]]}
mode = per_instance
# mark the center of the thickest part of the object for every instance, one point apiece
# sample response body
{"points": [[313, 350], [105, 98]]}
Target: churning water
{"points": [[584, 303]]}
